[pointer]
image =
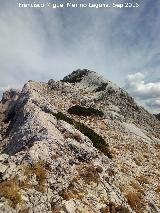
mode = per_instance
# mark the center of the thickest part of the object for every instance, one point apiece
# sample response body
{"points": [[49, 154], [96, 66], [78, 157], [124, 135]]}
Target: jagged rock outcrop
{"points": [[157, 116], [102, 159]]}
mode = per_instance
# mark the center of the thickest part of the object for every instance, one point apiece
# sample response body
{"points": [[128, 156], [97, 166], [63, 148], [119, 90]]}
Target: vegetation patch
{"points": [[85, 111], [72, 192], [102, 87], [99, 169], [41, 174], [134, 200], [97, 140], [10, 190], [24, 210], [89, 174], [158, 189], [55, 208], [137, 186], [112, 208], [122, 209], [142, 179]]}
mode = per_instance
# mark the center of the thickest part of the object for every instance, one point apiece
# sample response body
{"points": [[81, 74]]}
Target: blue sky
{"points": [[121, 44]]}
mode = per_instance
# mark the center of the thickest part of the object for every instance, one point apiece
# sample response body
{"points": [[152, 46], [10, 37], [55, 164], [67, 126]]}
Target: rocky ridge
{"points": [[55, 160]]}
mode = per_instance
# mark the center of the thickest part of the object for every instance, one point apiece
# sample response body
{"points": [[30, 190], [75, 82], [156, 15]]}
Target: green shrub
{"points": [[97, 140], [61, 116], [85, 111]]}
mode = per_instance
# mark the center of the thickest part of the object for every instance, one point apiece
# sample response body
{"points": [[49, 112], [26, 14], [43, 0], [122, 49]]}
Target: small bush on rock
{"points": [[99, 169], [85, 111], [41, 174], [10, 190], [122, 209], [72, 192], [61, 116], [97, 140]]}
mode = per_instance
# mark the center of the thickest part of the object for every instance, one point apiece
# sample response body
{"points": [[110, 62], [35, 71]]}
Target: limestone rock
{"points": [[54, 161]]}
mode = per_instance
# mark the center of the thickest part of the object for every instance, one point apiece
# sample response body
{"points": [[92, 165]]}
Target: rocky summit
{"points": [[79, 145]]}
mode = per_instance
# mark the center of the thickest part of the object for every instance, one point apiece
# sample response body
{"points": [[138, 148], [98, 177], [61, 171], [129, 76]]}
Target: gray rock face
{"points": [[53, 161], [76, 76], [157, 116], [9, 95]]}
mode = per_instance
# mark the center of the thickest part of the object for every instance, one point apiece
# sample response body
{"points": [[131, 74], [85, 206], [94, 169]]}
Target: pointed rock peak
{"points": [[85, 78], [89, 79], [76, 76]]}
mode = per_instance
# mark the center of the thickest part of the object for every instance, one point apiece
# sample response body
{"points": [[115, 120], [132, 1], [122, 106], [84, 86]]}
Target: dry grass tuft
{"points": [[56, 210], [89, 174], [158, 189], [72, 192], [41, 174], [142, 179], [136, 186], [77, 137], [112, 208], [99, 169], [134, 200], [24, 184], [10, 190], [138, 161], [110, 172], [104, 210], [157, 146], [24, 211], [124, 168], [122, 209]]}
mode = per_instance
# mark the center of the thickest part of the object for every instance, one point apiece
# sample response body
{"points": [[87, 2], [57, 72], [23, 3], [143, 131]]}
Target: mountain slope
{"points": [[78, 145]]}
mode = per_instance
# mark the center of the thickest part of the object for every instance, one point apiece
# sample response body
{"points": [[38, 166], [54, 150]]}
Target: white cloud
{"points": [[154, 104], [147, 93]]}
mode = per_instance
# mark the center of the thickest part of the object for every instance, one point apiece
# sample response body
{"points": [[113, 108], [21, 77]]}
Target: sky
{"points": [[122, 44]]}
